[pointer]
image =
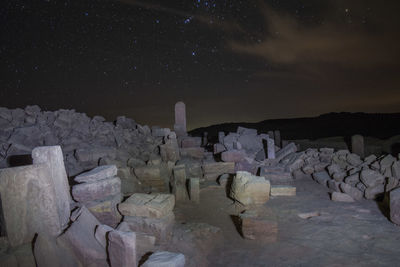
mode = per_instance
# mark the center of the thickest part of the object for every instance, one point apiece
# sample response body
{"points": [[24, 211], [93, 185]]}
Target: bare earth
{"points": [[345, 234]]}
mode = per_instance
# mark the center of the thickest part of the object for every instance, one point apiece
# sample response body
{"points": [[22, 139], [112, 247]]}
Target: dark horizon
{"points": [[228, 61]]}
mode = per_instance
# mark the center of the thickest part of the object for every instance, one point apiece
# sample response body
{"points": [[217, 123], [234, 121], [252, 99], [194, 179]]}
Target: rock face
{"points": [[165, 259], [249, 189], [147, 205]]}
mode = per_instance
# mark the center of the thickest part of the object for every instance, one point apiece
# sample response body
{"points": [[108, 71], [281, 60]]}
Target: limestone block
{"points": [[290, 148], [122, 249], [147, 205], [259, 224], [194, 189], [28, 202], [341, 197], [371, 178], [165, 259], [105, 210], [97, 174], [218, 168], [233, 155], [373, 192], [355, 193], [321, 177], [52, 156], [394, 197], [249, 189], [283, 190], [191, 142], [96, 190]]}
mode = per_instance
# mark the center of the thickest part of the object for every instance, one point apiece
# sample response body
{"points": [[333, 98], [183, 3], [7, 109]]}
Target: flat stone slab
{"points": [[283, 190], [165, 259], [147, 205], [97, 190], [97, 174]]}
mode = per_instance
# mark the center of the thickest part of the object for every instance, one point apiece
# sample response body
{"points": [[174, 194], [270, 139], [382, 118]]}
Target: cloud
{"points": [[289, 42]]}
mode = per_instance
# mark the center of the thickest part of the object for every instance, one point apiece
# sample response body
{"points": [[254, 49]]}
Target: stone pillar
{"points": [[357, 145], [277, 137], [194, 189], [122, 249], [271, 148], [205, 138], [221, 136], [271, 134], [179, 183], [180, 119]]}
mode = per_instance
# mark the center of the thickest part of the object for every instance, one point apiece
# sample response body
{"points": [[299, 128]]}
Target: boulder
{"points": [[355, 193], [322, 177], [371, 178], [233, 155]]}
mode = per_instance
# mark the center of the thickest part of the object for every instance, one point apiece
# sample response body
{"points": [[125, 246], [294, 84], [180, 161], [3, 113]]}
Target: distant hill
{"points": [[344, 124]]}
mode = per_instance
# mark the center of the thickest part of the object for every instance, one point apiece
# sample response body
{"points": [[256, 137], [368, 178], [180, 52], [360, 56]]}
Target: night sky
{"points": [[227, 60]]}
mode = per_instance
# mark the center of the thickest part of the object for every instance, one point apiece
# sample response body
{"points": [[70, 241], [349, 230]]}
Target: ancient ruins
{"points": [[80, 191]]}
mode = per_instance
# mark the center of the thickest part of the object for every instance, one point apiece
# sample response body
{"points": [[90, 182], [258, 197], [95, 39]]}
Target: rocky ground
{"points": [[344, 234]]}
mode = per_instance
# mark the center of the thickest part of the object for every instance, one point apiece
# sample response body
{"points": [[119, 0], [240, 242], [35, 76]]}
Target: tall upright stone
{"points": [[271, 134], [179, 183], [53, 158], [122, 249], [357, 145], [205, 139], [194, 189], [271, 148], [277, 137], [180, 119]]}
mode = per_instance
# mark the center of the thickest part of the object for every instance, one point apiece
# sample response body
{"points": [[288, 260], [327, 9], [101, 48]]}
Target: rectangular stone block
{"points": [[260, 224], [218, 168], [106, 210], [53, 157], [285, 151], [147, 205], [194, 189], [249, 189], [179, 183], [102, 189], [97, 174], [29, 203], [122, 249], [191, 142], [283, 190]]}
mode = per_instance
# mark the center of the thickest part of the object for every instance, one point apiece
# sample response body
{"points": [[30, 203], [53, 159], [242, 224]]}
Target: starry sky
{"points": [[229, 61]]}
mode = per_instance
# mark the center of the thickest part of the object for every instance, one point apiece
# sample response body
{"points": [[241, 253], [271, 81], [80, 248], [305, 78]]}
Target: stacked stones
{"points": [[100, 191], [86, 142], [150, 214]]}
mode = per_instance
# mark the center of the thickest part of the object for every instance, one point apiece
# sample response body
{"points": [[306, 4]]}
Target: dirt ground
{"points": [[345, 234]]}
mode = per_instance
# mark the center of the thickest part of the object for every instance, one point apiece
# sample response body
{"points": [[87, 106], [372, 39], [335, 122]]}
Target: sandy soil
{"points": [[345, 234]]}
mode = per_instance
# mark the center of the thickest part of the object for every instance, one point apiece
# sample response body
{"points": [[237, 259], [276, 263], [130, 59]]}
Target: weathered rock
{"points": [[354, 159], [277, 137], [105, 210], [218, 168], [122, 249], [396, 169], [351, 191], [375, 191], [81, 240], [371, 178], [352, 179], [233, 155], [283, 190], [191, 142], [394, 197], [333, 185], [179, 183], [160, 228], [101, 234], [27, 199], [290, 148], [270, 148], [275, 175], [86, 192], [147, 205], [341, 197], [194, 189], [391, 184], [53, 158], [97, 174], [165, 259], [259, 224], [249, 189], [321, 177]]}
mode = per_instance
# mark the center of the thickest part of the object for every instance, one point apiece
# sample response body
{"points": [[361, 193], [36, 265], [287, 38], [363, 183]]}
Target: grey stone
{"points": [[194, 189], [333, 185], [341, 197], [354, 159], [86, 192], [180, 119], [165, 259], [233, 155], [375, 191], [105, 210], [97, 174], [277, 137], [80, 238], [179, 183], [290, 148], [101, 234], [394, 197], [27, 198], [351, 191], [122, 249], [191, 142], [147, 205], [249, 189], [371, 178], [242, 130], [321, 177], [357, 145]]}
